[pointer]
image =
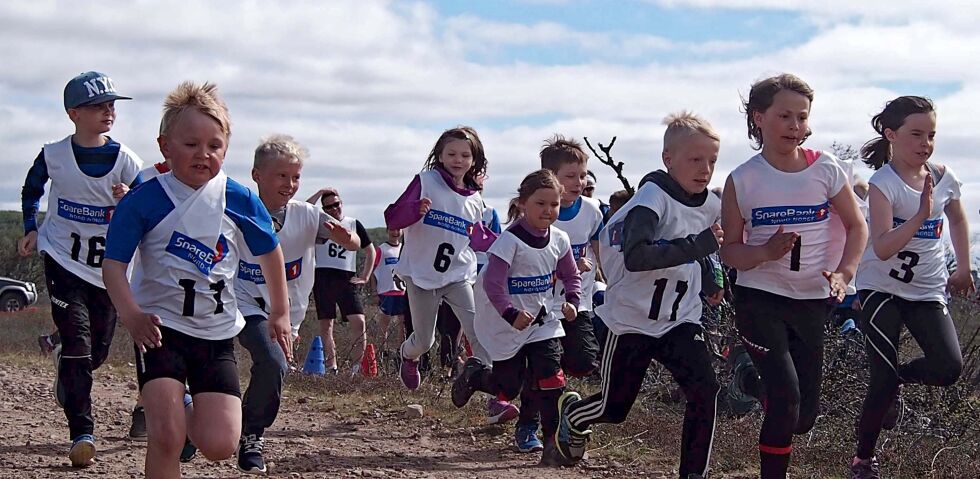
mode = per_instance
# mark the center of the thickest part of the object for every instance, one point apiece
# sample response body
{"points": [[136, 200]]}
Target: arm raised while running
{"points": [[886, 240]]}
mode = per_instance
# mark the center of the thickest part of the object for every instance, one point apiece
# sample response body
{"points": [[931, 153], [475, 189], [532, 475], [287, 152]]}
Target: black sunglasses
{"points": [[330, 207]]}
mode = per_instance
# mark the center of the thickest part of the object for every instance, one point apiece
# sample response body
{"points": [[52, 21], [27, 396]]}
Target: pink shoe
{"points": [[410, 374], [500, 412]]}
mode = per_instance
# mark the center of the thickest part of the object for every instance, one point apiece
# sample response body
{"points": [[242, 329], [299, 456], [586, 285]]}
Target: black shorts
{"points": [[331, 290], [207, 366], [536, 366], [581, 356]]}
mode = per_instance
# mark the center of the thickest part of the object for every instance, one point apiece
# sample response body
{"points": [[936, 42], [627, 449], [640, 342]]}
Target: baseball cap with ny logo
{"points": [[90, 88]]}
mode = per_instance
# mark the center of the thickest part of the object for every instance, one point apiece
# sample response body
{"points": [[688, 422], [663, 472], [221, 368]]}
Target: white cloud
{"points": [[368, 86]]}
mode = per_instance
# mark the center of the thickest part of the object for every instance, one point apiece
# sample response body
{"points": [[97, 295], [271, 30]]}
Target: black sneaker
{"points": [[137, 430], [188, 452], [462, 391], [866, 469], [570, 442], [250, 454]]}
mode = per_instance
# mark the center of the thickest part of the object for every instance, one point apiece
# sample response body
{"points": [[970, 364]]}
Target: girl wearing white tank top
{"points": [[902, 278], [775, 211], [440, 214]]}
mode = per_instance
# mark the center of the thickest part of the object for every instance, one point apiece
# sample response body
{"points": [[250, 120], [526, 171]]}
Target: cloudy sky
{"points": [[369, 85]]}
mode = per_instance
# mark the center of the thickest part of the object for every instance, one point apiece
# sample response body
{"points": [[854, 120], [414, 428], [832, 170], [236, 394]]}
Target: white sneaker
{"points": [[355, 370]]}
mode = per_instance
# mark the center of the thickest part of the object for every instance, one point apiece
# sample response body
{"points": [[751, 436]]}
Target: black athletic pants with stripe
{"points": [[625, 361], [784, 336], [86, 321], [882, 318]]}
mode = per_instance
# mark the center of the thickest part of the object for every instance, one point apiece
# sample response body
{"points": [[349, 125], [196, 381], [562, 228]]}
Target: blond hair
{"points": [[684, 124], [279, 147], [202, 97]]}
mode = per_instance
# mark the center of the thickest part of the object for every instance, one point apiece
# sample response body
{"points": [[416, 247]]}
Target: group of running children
{"points": [[189, 259]]}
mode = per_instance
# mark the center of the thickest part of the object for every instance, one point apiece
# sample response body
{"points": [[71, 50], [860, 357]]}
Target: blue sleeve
{"points": [[136, 214], [136, 181], [30, 195], [494, 221], [245, 208], [602, 225]]}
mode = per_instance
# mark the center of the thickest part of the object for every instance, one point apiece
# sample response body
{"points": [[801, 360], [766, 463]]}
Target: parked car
{"points": [[16, 295]]}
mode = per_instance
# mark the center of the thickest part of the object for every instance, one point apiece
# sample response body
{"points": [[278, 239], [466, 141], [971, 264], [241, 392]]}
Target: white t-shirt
{"points": [[799, 202], [79, 209], [297, 238], [530, 284], [653, 302], [332, 255], [437, 251], [389, 284], [917, 272], [188, 255]]}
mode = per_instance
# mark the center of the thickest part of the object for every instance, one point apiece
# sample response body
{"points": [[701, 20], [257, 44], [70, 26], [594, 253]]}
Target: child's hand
{"points": [[719, 233], [925, 199], [144, 328], [715, 299], [570, 311], [960, 282], [523, 320], [119, 190], [780, 243], [425, 205], [838, 287], [282, 333], [27, 244], [342, 236], [584, 264], [357, 280]]}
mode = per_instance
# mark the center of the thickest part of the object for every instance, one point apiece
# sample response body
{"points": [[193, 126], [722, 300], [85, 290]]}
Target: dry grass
{"points": [[939, 438]]}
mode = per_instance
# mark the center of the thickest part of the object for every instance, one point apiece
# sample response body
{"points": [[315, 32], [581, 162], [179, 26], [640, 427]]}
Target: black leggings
{"points": [[784, 336], [883, 316], [625, 361], [535, 374]]}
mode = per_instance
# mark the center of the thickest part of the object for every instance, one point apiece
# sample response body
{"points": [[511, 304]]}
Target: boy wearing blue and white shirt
{"points": [[89, 173], [190, 225]]}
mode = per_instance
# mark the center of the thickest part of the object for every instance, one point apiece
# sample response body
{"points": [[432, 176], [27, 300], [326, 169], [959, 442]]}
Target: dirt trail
{"points": [[311, 438]]}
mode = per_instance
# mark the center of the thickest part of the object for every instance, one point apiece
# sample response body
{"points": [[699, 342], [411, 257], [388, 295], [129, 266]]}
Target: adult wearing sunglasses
{"points": [[336, 282]]}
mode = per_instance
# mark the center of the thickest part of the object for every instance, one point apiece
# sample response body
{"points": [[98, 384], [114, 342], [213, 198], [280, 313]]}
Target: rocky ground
{"points": [[326, 435]]}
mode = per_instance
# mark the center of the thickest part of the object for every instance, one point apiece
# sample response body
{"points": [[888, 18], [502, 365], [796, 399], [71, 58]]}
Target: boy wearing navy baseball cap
{"points": [[89, 173]]}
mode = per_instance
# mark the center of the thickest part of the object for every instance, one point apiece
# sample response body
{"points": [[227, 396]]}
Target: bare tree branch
{"points": [[607, 159]]}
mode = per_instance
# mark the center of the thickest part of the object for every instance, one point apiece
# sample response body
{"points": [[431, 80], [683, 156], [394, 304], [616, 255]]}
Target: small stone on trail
{"points": [[414, 411]]}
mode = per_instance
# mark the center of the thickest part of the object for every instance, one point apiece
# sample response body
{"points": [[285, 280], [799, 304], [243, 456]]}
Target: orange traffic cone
{"points": [[369, 362]]}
